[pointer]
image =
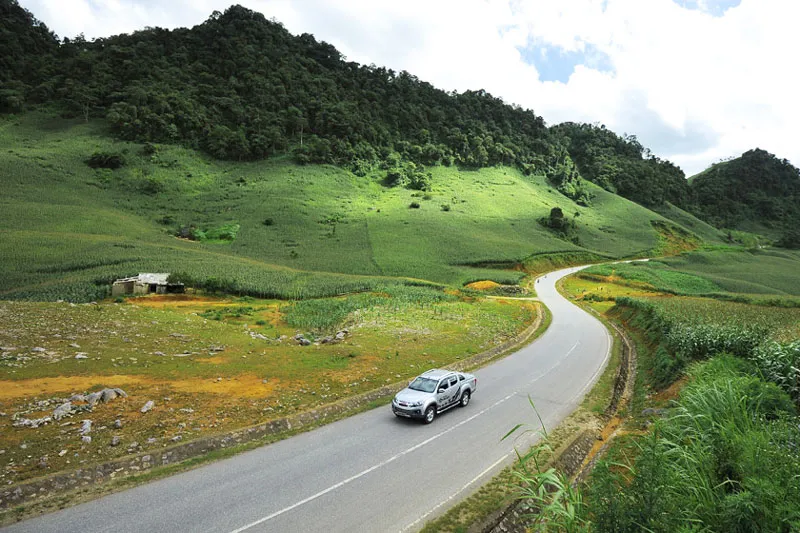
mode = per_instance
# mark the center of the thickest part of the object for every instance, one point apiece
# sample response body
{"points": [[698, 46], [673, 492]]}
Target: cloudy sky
{"points": [[695, 80]]}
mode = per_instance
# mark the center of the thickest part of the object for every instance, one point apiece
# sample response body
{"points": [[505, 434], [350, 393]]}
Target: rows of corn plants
{"points": [[321, 314], [687, 330]]}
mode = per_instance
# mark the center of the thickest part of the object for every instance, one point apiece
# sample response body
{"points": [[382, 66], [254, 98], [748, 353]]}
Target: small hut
{"points": [[146, 284]]}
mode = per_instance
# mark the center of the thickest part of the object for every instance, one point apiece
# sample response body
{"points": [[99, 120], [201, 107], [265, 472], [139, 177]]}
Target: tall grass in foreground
{"points": [[727, 460], [550, 501]]}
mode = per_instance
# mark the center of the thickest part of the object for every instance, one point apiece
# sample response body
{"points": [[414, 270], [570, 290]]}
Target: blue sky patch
{"points": [[716, 8], [556, 64]]}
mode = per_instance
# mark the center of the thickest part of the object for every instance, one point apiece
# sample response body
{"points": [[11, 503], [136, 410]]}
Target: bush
{"points": [[110, 160], [414, 205]]}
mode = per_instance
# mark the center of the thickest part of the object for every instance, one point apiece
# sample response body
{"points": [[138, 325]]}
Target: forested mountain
{"points": [[752, 191], [241, 87], [622, 165]]}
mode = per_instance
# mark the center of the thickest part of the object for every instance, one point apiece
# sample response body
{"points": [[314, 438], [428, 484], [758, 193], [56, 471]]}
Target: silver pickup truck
{"points": [[433, 392]]}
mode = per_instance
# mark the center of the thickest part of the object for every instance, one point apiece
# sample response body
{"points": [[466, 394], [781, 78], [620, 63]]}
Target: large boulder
{"points": [[65, 409]]}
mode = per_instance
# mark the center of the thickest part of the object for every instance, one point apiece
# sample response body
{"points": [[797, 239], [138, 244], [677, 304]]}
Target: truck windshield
{"points": [[423, 384]]}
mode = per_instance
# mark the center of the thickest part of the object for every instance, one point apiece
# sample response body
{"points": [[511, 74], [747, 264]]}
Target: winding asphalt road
{"points": [[371, 472]]}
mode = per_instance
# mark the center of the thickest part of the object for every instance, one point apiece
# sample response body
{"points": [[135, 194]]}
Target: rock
{"points": [[74, 345], [149, 405], [151, 440], [115, 440], [92, 398], [38, 349], [62, 453], [33, 424], [86, 439], [43, 462], [326, 340], [304, 342], [81, 355], [86, 427], [62, 410], [7, 349], [106, 395], [117, 424], [121, 393], [340, 335], [176, 438], [216, 348], [159, 353], [78, 398]]}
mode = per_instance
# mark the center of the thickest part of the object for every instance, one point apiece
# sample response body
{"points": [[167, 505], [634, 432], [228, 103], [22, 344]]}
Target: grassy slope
{"points": [[692, 223], [64, 222], [753, 272]]}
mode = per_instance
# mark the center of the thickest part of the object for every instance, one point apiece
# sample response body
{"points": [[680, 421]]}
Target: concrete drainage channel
{"points": [[577, 458], [41, 490]]}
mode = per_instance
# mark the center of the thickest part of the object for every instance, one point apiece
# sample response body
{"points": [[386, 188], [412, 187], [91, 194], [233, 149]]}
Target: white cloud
{"points": [[695, 80]]}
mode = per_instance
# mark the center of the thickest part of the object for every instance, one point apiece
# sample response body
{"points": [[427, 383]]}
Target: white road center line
{"points": [[401, 454], [370, 469]]}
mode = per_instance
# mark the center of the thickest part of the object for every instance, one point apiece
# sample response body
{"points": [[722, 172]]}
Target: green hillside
{"points": [[756, 192], [69, 229]]}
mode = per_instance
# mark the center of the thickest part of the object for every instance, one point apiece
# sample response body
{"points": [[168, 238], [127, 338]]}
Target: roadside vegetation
{"points": [[709, 442]]}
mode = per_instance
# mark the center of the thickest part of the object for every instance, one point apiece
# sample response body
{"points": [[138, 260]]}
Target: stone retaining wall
{"points": [[42, 488]]}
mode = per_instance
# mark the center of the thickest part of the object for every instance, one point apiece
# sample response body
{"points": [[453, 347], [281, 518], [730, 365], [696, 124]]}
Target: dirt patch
{"points": [[31, 388], [670, 393], [176, 300], [241, 386], [486, 285], [216, 360]]}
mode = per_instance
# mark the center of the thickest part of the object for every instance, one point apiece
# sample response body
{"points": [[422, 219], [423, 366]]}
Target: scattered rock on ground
{"points": [[86, 427], [115, 440], [32, 423], [117, 424], [81, 355], [62, 410], [38, 349], [149, 405], [86, 439]]}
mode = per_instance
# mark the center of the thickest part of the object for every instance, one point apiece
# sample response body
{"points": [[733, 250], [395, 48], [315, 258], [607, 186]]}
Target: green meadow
{"points": [[273, 228]]}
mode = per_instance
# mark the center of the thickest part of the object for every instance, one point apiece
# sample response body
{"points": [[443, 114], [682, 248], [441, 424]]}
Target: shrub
{"points": [[111, 160], [445, 207], [414, 205]]}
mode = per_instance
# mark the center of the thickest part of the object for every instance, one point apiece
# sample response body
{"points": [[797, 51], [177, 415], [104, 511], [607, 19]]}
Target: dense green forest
{"points": [[622, 165], [755, 192], [241, 87]]}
